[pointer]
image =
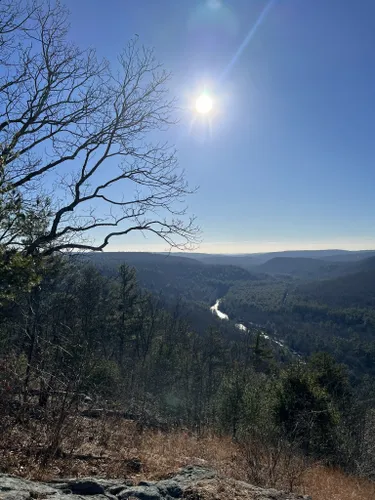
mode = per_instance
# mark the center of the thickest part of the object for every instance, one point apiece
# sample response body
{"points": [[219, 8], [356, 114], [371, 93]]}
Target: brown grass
{"points": [[332, 484], [106, 449]]}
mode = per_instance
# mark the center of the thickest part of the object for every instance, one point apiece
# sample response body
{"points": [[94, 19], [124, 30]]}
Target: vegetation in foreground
{"points": [[119, 448]]}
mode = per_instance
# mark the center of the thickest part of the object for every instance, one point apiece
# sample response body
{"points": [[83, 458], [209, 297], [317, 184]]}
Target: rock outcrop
{"points": [[190, 483]]}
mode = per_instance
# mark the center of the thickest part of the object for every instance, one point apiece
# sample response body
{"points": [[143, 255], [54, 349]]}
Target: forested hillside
{"points": [[305, 312], [353, 290], [336, 315], [175, 276], [304, 267]]}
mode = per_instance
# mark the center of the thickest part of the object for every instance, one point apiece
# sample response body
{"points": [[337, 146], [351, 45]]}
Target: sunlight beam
{"points": [[248, 38]]}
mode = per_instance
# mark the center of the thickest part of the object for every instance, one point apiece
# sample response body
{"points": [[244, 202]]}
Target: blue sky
{"points": [[287, 160]]}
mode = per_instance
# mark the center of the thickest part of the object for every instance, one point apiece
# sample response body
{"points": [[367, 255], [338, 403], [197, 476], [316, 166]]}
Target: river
{"points": [[215, 310]]}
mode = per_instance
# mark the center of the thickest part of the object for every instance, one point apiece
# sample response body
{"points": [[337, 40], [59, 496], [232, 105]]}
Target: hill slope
{"points": [[304, 267], [352, 290], [174, 276]]}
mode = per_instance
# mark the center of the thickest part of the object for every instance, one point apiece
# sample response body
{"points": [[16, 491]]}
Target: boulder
{"points": [[85, 487], [190, 483], [141, 492], [10, 484]]}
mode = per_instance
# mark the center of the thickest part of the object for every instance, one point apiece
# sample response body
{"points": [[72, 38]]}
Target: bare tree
{"points": [[76, 159]]}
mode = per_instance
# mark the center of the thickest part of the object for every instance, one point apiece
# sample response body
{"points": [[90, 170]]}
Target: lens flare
{"points": [[248, 38]]}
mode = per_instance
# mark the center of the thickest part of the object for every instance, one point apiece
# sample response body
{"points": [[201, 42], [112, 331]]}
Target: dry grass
{"points": [[108, 449], [332, 484]]}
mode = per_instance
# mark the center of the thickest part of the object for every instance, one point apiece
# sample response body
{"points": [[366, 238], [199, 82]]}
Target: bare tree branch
{"points": [[66, 115]]}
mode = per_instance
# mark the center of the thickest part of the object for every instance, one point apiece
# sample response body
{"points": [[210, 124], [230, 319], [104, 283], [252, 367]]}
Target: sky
{"points": [[286, 158]]}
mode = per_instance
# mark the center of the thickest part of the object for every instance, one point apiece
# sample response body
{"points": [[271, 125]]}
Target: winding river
{"points": [[215, 310]]}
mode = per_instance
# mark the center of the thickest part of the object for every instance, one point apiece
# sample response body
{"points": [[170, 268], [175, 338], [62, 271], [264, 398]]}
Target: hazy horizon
{"points": [[247, 248]]}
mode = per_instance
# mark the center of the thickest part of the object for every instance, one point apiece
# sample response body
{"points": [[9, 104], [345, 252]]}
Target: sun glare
{"points": [[203, 104]]}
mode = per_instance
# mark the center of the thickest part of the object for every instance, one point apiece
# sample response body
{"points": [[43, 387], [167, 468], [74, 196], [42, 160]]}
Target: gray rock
{"points": [[193, 474], [269, 493], [18, 495], [85, 487], [170, 487], [141, 492], [11, 483], [109, 483], [72, 496], [190, 481], [117, 488]]}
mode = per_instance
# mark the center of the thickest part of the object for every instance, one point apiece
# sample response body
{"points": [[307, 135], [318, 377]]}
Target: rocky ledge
{"points": [[191, 483]]}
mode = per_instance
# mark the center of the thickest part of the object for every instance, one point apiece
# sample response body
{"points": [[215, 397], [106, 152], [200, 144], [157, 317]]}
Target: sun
{"points": [[203, 104]]}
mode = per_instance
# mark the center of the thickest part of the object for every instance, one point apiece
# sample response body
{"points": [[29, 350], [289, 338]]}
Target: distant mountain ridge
{"points": [[252, 261], [304, 264]]}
